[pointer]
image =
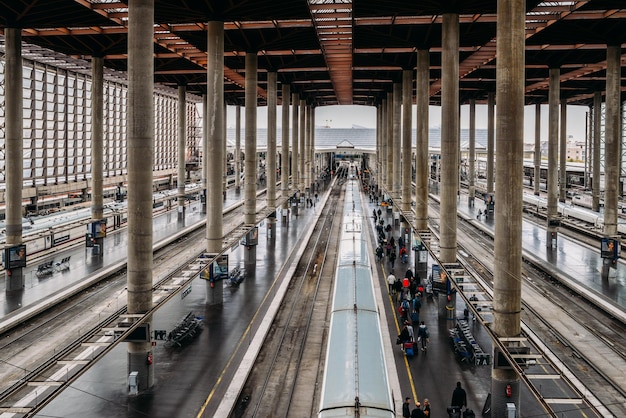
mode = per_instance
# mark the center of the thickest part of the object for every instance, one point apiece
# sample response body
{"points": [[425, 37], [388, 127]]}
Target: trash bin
{"points": [[133, 383]]}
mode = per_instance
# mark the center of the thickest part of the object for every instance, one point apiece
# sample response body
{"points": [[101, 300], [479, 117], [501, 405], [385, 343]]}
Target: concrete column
{"points": [[421, 151], [295, 179], [397, 144], [507, 279], [313, 173], [390, 144], [225, 160], [182, 145], [537, 159], [237, 148], [205, 150], [250, 138], [270, 166], [14, 147], [471, 174], [140, 150], [306, 148], [97, 134], [284, 168], [491, 123], [384, 145], [553, 153], [302, 147], [563, 152], [379, 149], [215, 147], [407, 111], [597, 130], [449, 136], [612, 140]]}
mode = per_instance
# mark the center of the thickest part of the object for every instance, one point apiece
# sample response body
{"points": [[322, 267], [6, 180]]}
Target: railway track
{"points": [[545, 303], [33, 350], [280, 381]]}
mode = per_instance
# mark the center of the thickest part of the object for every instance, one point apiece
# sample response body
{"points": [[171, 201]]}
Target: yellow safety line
{"points": [[395, 320]]}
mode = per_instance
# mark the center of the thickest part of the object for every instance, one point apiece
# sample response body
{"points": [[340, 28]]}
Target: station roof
{"points": [[333, 51]]}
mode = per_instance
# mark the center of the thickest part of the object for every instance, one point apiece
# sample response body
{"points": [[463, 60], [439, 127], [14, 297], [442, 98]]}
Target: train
{"points": [[355, 380], [571, 212], [45, 235]]}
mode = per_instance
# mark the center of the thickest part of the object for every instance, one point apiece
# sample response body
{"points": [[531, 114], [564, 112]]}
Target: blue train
{"points": [[355, 373]]}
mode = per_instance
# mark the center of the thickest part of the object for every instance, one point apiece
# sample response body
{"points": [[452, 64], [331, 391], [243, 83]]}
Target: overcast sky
{"points": [[365, 116]]}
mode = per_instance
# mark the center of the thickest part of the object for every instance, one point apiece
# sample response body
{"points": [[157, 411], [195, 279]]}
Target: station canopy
{"points": [[330, 51]]}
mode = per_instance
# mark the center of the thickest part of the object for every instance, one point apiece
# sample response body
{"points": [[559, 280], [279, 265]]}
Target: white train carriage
{"points": [[355, 373]]}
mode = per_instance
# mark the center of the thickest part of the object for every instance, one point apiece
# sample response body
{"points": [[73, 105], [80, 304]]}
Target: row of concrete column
{"points": [[507, 168], [140, 149]]}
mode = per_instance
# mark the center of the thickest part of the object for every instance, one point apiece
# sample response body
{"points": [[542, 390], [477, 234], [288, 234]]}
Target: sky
{"points": [[365, 116]]}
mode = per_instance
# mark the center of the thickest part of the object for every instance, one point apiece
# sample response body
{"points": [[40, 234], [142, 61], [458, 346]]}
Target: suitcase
{"points": [[408, 349], [468, 413]]}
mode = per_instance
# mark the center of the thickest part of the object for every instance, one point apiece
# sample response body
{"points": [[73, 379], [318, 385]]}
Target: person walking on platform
{"points": [[391, 281], [459, 397], [379, 213], [409, 328], [423, 335], [403, 255], [406, 408], [392, 257], [379, 253], [397, 287]]}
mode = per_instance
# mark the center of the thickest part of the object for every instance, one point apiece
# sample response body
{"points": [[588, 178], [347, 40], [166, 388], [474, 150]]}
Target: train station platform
{"points": [[83, 262], [186, 374]]}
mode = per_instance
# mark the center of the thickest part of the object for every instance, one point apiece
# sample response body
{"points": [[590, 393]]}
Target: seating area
{"points": [[64, 264], [50, 267], [465, 346], [185, 331], [45, 269]]}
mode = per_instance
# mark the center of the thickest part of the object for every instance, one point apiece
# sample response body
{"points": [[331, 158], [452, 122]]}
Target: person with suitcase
{"points": [[459, 399]]}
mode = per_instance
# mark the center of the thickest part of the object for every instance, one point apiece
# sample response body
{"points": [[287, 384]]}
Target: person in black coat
{"points": [[406, 408], [459, 397], [417, 412]]}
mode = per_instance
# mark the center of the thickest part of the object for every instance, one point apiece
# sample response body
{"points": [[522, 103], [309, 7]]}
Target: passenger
{"points": [[405, 309], [409, 273], [417, 412], [426, 408], [423, 336], [459, 397], [406, 408], [404, 335], [391, 280], [392, 257], [379, 213], [417, 302], [403, 255], [388, 249], [379, 253], [409, 328], [397, 287]]}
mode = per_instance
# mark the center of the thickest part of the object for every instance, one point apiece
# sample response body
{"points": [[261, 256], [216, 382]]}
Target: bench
{"points": [[44, 269]]}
